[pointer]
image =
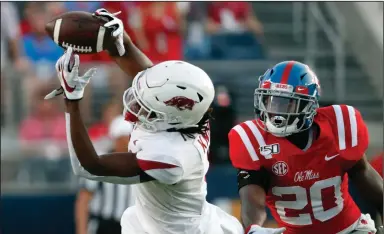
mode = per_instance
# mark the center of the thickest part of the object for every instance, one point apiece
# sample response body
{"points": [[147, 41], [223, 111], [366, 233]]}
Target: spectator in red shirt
{"points": [[43, 141], [128, 15], [29, 9], [377, 163], [160, 31], [232, 17], [45, 127], [235, 31]]}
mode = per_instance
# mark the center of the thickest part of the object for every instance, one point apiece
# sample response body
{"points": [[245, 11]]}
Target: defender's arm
{"points": [[369, 183], [252, 205], [252, 186]]}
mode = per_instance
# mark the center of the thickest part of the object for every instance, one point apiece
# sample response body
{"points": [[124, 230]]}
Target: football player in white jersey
{"points": [[170, 105]]}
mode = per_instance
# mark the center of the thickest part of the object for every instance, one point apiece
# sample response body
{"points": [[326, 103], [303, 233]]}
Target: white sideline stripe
{"points": [[56, 31], [100, 39], [247, 142], [340, 126], [259, 137], [352, 120]]}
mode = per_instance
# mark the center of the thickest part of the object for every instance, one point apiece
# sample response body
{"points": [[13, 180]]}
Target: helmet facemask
{"points": [[283, 113], [137, 112]]}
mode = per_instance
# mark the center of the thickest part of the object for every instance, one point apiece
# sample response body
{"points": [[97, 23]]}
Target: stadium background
{"points": [[234, 42]]}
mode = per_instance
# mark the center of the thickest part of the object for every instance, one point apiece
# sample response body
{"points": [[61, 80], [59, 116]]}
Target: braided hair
{"points": [[201, 128]]}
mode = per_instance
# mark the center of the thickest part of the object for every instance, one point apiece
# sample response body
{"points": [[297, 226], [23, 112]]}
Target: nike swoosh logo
{"points": [[329, 158], [67, 87]]}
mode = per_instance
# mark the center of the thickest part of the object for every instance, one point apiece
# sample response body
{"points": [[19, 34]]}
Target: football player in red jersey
{"points": [[296, 159]]}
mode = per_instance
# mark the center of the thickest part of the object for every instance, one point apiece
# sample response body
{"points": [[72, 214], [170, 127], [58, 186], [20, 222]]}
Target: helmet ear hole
{"points": [[200, 97], [270, 74], [302, 76], [181, 87]]}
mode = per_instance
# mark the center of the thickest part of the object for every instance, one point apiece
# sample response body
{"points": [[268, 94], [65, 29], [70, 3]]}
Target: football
{"points": [[79, 30]]}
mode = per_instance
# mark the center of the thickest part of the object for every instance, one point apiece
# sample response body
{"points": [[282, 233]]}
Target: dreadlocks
{"points": [[201, 128]]}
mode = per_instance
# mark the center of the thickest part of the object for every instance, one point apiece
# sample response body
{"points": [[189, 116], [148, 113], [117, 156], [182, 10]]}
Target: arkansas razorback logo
{"points": [[181, 103]]}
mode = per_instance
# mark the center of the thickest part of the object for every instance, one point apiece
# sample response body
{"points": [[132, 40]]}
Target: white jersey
{"points": [[173, 203], [176, 201], [179, 167]]}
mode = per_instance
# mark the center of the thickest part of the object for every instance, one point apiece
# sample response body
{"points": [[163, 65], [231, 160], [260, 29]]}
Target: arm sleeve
{"points": [[351, 134], [80, 171], [239, 154], [356, 136], [359, 140]]}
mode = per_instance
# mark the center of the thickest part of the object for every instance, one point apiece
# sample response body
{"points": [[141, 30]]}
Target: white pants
{"points": [[213, 221]]}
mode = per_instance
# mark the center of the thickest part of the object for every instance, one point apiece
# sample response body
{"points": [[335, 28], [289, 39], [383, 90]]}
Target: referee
{"points": [[99, 205]]}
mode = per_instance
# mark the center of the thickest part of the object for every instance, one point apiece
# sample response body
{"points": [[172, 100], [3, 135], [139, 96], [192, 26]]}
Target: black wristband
{"points": [[71, 100], [260, 177]]}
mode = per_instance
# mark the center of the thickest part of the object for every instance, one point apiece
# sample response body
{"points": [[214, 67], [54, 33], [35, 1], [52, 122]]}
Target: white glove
{"points": [[72, 85], [115, 24], [365, 225], [256, 229]]}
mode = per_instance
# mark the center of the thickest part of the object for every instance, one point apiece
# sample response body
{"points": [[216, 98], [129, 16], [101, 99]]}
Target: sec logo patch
{"points": [[280, 168]]}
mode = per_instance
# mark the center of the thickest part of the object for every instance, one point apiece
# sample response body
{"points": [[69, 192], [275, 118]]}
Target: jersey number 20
{"points": [[315, 198]]}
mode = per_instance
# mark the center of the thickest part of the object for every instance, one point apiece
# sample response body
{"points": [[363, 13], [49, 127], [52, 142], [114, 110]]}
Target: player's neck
{"points": [[303, 140]]}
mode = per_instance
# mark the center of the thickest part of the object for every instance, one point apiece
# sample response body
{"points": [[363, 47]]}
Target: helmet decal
{"points": [[286, 72], [181, 103]]}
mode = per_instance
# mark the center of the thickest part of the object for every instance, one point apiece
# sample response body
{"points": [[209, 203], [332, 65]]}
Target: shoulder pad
{"points": [[245, 140], [349, 129]]}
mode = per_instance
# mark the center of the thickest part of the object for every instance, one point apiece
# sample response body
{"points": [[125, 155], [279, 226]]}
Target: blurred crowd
{"points": [[163, 30]]}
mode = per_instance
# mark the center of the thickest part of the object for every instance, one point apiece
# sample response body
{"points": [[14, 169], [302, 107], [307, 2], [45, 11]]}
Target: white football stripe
{"points": [[352, 121], [340, 126], [100, 39], [56, 31], [256, 132], [248, 145]]}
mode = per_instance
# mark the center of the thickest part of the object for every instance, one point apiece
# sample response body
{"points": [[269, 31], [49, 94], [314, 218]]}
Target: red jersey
{"points": [[163, 34], [98, 131], [237, 11], [308, 189]]}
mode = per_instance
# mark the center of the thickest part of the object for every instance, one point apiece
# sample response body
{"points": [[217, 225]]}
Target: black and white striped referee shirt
{"points": [[109, 201]]}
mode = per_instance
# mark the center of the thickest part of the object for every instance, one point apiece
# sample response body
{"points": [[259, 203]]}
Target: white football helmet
{"points": [[169, 95]]}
